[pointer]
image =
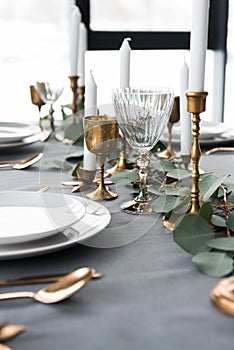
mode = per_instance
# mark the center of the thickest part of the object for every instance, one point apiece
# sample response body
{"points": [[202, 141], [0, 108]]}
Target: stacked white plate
{"points": [[34, 223], [18, 134], [210, 133]]}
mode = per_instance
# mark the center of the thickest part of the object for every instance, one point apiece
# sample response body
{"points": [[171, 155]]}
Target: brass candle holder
{"points": [[174, 118], [81, 94], [122, 162], [74, 88], [196, 104]]}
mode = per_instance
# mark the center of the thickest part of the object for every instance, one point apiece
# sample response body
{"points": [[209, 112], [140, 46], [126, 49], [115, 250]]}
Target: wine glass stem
{"points": [[51, 116], [40, 122], [101, 172], [143, 162]]}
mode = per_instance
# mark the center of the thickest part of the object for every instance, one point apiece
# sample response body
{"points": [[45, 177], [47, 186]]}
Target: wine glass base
{"points": [[137, 207], [102, 194]]}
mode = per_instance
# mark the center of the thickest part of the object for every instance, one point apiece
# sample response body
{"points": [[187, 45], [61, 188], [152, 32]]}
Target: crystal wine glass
{"points": [[142, 115], [49, 92]]}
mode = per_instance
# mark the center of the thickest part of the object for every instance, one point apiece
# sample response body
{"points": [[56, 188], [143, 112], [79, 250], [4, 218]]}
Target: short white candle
{"points": [[83, 44], [198, 44], [185, 117], [74, 40], [125, 52], [89, 160]]}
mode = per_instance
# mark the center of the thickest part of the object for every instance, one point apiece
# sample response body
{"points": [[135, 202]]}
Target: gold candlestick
{"points": [[174, 118], [74, 87], [196, 104], [81, 94]]}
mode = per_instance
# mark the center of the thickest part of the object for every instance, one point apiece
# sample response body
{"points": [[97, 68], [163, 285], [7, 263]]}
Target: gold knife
{"points": [[39, 279]]}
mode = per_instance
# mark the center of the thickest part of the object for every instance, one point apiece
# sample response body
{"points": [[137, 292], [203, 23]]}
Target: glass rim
{"points": [[144, 90]]}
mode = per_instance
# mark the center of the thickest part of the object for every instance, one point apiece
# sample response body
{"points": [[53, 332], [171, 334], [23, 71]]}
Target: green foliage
{"points": [[214, 264]]}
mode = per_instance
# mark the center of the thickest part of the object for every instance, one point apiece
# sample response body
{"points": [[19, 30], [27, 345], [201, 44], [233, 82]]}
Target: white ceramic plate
{"points": [[210, 134], [14, 132], [28, 216], [96, 218], [208, 130], [25, 142]]}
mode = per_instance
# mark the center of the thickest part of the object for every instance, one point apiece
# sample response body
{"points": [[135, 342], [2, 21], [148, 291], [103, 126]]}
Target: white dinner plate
{"points": [[14, 132], [96, 218], [24, 142], [210, 134], [28, 216]]}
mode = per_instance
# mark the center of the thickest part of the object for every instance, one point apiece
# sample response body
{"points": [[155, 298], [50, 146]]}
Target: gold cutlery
{"points": [[4, 347], [62, 289], [23, 164], [8, 331], [40, 279], [218, 149]]}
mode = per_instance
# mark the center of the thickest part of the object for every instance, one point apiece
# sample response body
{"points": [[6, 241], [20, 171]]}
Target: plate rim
{"points": [[30, 237], [32, 130], [56, 246]]}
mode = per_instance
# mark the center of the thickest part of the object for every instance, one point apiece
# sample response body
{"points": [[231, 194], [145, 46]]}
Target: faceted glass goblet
{"points": [[142, 115]]}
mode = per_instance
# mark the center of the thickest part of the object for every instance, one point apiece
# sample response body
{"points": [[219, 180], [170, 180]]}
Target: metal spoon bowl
{"points": [[62, 289], [23, 164]]}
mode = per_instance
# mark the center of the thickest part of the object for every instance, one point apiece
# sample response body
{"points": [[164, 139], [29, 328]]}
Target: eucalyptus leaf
{"points": [[212, 184], [218, 221], [179, 174], [164, 204], [77, 154], [164, 165], [125, 176], [230, 221], [172, 191], [214, 264], [192, 234], [74, 171], [222, 243], [73, 131], [61, 165], [206, 211], [230, 197]]}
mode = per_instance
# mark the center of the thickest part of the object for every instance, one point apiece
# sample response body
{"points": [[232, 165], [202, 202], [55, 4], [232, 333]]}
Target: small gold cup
{"points": [[101, 136], [37, 101]]}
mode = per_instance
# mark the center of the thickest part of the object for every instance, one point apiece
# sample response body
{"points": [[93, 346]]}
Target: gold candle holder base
{"points": [[174, 118], [196, 104], [74, 87]]}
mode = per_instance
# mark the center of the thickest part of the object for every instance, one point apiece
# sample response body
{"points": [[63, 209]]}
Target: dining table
{"points": [[150, 295]]}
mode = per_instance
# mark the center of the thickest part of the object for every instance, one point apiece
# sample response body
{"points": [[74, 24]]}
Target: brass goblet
{"points": [[101, 134], [174, 118], [37, 101]]}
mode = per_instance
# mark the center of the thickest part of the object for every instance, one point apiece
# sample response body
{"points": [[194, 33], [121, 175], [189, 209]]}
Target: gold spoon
{"points": [[4, 347], [8, 331], [23, 164], [40, 279], [64, 288]]}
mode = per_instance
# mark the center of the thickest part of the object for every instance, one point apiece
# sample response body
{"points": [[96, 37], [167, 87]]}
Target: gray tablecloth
{"points": [[151, 295]]}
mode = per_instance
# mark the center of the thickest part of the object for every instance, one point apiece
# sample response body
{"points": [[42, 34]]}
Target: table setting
{"points": [[117, 221]]}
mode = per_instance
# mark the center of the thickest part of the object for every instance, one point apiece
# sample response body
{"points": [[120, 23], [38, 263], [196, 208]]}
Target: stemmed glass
{"points": [[142, 115], [49, 92], [37, 101], [101, 137]]}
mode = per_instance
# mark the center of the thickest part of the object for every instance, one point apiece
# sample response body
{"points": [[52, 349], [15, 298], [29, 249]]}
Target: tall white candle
{"points": [[74, 39], [198, 44], [185, 118], [83, 44], [125, 52], [89, 160]]}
